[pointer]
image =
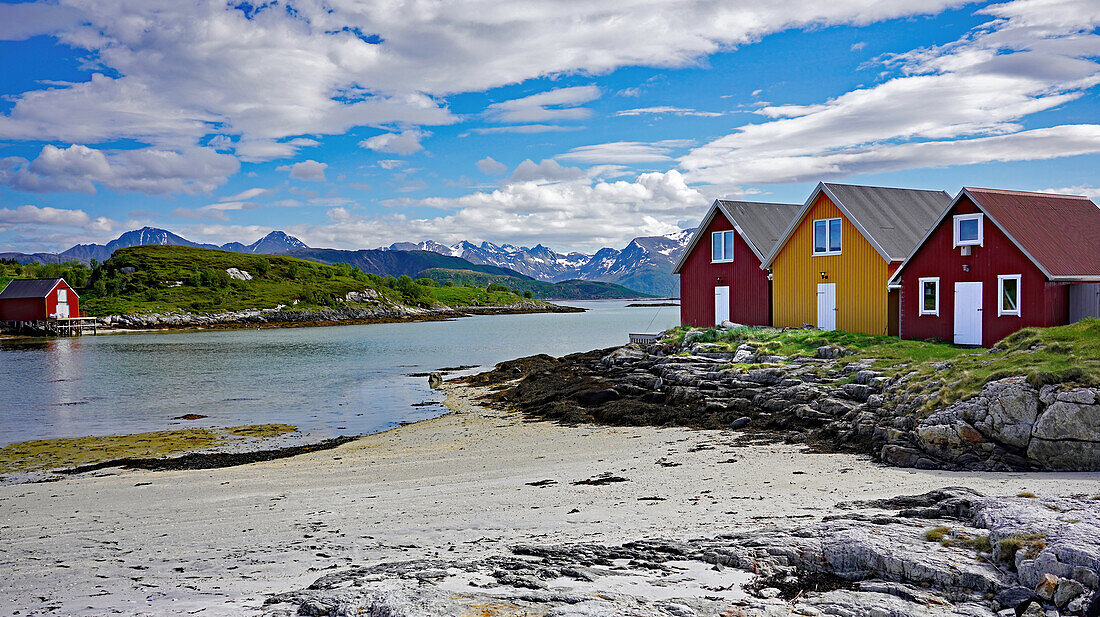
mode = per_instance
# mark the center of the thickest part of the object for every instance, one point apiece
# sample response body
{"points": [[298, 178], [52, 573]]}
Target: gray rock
{"points": [[740, 423], [1067, 436], [240, 275], [1014, 596], [435, 381], [1067, 590]]}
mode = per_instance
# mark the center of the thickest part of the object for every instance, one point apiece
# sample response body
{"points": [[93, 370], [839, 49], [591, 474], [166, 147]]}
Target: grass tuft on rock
{"points": [[1031, 543]]}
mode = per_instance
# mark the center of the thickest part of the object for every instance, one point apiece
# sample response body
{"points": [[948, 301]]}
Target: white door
{"points": [[826, 306], [968, 313], [62, 309], [721, 305]]}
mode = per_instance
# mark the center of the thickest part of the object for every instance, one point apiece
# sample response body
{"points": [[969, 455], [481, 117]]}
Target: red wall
{"points": [[750, 301], [34, 309], [1042, 303]]}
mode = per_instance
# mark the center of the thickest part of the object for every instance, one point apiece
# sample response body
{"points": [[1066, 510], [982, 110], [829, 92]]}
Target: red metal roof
{"points": [[1061, 233]]}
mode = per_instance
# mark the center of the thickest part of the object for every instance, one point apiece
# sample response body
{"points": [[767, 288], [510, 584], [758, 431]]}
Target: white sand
{"points": [[214, 542]]}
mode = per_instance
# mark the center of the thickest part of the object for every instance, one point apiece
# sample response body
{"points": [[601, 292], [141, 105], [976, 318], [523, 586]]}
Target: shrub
{"points": [[448, 283], [496, 287], [263, 266], [528, 294], [426, 282]]}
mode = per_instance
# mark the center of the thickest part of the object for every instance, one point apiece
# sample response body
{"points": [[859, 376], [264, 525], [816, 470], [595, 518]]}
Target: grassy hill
{"points": [[565, 290], [147, 279]]}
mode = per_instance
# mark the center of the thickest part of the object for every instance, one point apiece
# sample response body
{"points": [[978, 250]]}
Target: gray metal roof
{"points": [[894, 219], [760, 223], [28, 288]]}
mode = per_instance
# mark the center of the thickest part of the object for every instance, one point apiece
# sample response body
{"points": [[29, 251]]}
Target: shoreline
{"points": [[466, 485], [249, 323]]}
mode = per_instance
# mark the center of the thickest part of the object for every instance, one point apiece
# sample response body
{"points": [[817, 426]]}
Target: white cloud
{"points": [[547, 170], [1092, 192], [265, 81], [43, 216], [664, 109], [858, 46], [79, 169], [550, 106], [248, 194], [390, 163], [955, 104], [577, 213], [491, 166], [626, 152], [405, 142], [305, 170]]}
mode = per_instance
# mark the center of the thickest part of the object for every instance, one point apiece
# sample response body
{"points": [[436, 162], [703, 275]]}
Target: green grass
{"points": [[1063, 354], [472, 296], [167, 278]]}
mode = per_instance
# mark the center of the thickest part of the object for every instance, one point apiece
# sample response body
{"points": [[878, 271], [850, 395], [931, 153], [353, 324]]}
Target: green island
{"points": [[154, 279], [565, 290], [48, 454]]}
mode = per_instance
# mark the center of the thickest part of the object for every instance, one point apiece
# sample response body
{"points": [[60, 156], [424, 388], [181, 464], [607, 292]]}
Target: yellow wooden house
{"points": [[831, 266]]}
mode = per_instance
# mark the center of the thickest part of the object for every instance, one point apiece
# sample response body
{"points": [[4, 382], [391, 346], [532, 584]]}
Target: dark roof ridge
{"points": [[1024, 193]]}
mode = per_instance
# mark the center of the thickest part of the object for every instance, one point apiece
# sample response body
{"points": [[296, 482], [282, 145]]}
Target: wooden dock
{"points": [[59, 326]]}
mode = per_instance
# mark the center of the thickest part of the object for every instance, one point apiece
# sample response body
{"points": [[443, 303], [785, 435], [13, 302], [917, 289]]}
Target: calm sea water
{"points": [[346, 380]]}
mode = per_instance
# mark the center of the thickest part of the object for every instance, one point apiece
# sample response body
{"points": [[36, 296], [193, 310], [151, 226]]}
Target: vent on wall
{"points": [[965, 250]]}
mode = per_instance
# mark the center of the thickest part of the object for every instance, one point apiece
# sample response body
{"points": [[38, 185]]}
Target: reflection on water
{"points": [[328, 381]]}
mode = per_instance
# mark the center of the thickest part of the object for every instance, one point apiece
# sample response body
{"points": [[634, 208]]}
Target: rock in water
{"points": [[435, 381]]}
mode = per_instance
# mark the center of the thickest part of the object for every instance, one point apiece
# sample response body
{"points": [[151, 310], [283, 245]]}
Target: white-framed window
{"points": [[721, 246], [929, 295], [968, 229], [62, 295], [827, 237], [1008, 295]]}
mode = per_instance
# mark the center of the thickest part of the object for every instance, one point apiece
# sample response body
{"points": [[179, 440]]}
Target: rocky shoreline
{"points": [[1011, 425], [361, 313], [950, 552]]}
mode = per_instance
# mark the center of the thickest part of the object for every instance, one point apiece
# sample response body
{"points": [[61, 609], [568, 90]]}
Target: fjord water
{"points": [[340, 380]]}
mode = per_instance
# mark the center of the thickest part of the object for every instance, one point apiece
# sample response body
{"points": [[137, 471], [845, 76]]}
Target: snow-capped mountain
{"points": [[272, 243], [645, 264]]}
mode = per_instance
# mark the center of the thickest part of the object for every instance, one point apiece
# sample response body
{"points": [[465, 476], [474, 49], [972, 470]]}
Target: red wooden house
{"points": [[720, 274], [38, 300], [997, 261]]}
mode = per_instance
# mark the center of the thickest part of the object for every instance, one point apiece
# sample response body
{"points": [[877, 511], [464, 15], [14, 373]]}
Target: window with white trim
{"points": [[721, 246], [62, 295], [968, 229], [827, 237], [929, 295], [1008, 295]]}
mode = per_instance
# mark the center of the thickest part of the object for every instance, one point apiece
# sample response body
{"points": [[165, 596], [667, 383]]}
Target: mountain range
{"points": [[271, 244], [644, 265]]}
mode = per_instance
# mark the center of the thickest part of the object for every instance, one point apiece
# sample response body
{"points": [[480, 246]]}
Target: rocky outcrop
{"points": [[1011, 424], [950, 552], [832, 405]]}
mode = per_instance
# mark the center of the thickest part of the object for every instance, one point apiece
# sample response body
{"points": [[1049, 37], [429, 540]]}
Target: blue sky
{"points": [[578, 125]]}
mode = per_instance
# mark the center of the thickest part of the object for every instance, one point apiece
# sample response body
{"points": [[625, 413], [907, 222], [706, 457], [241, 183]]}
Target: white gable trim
{"points": [[701, 231], [822, 188], [896, 278]]}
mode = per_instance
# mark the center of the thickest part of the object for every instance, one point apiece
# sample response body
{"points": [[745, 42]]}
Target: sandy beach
{"points": [[218, 542]]}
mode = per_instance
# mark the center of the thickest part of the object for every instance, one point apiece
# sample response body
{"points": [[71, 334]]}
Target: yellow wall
{"points": [[859, 272]]}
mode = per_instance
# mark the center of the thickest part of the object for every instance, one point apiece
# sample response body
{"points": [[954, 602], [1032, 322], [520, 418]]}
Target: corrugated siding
{"points": [[1043, 303], [747, 282], [859, 272]]}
